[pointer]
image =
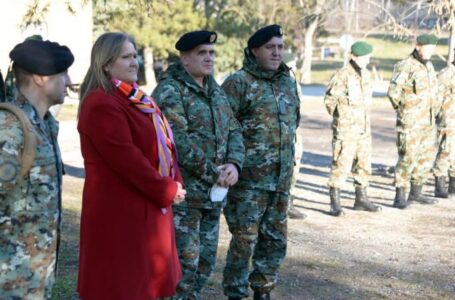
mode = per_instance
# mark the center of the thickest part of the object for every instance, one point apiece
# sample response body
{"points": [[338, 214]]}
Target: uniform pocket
{"points": [[43, 185], [337, 149], [401, 143]]}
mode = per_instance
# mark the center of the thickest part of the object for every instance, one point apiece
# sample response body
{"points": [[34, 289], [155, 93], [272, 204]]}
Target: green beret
{"points": [[361, 48], [427, 39], [191, 40], [35, 37], [41, 57], [263, 35]]}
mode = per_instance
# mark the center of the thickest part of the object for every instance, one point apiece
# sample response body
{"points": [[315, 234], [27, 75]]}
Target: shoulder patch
{"points": [[8, 171], [30, 140]]}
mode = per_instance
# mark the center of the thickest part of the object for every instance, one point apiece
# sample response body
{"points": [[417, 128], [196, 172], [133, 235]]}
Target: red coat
{"points": [[127, 247]]}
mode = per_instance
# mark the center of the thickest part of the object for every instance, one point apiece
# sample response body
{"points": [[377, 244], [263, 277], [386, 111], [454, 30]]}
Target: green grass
{"points": [[387, 52], [65, 288]]}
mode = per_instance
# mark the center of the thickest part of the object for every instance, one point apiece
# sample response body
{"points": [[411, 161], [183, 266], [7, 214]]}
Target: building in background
{"points": [[67, 22]]}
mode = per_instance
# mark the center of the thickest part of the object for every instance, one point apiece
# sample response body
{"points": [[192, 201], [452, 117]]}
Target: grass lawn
{"points": [[387, 52]]}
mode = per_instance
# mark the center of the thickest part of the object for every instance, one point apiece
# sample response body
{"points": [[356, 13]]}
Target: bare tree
{"points": [[445, 11]]}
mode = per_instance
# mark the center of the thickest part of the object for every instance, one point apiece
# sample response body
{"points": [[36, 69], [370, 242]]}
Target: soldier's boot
{"points": [[261, 296], [234, 298], [452, 187], [415, 195], [362, 202], [293, 212], [400, 198], [335, 206], [440, 189]]}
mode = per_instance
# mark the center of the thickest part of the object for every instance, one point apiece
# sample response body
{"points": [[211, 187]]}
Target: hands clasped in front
{"points": [[229, 175], [180, 194]]}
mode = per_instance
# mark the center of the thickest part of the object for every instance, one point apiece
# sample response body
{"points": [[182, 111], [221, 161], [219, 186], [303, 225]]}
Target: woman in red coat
{"points": [[127, 247]]}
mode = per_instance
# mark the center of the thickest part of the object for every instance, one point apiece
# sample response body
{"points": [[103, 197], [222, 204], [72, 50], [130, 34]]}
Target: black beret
{"points": [[41, 57], [191, 40], [263, 35]]}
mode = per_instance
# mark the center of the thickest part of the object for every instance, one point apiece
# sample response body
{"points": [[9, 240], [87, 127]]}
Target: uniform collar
{"points": [[416, 56], [250, 65], [48, 123], [356, 67], [178, 72]]}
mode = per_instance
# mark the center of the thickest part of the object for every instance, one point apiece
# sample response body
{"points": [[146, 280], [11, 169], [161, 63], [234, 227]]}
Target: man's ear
{"points": [[38, 79], [254, 51], [184, 58]]}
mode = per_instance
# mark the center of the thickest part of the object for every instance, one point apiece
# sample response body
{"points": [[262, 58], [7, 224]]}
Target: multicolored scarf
{"points": [[166, 146]]}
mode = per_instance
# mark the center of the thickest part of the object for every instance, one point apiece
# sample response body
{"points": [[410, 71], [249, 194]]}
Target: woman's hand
{"points": [[180, 195]]}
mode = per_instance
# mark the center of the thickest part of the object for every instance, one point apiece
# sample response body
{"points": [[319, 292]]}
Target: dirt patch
{"points": [[393, 254]]}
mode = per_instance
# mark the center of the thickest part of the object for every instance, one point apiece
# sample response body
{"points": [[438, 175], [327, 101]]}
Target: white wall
{"points": [[74, 31]]}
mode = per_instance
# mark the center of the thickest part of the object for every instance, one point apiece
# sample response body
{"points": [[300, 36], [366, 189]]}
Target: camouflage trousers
{"points": [[196, 233], [353, 155], [257, 221], [445, 159], [27, 259], [416, 155]]}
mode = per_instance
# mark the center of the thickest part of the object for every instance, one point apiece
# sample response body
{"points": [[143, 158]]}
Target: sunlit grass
{"points": [[387, 52]]}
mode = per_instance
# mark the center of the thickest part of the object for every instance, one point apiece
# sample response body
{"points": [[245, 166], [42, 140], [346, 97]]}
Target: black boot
{"points": [[440, 189], [400, 198], [335, 207], [261, 296], [362, 202], [451, 187], [416, 195], [234, 298], [293, 212]]}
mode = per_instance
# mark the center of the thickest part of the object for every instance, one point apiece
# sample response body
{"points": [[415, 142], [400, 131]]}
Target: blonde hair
{"points": [[107, 48]]}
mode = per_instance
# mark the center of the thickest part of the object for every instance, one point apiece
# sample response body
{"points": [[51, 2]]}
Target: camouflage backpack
{"points": [[28, 149]]}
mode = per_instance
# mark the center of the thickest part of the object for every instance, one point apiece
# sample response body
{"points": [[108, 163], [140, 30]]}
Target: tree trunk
{"points": [[299, 59], [148, 69], [308, 51]]}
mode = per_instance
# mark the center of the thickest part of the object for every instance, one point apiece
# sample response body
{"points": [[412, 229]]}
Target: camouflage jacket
{"points": [[348, 99], [267, 104], [29, 208], [446, 94], [413, 94], [205, 131]]}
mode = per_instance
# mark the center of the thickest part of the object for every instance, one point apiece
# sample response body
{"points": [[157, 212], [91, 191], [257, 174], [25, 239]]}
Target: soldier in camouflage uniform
{"points": [[348, 100], [445, 120], [266, 103], [413, 94], [30, 206], [210, 149]]}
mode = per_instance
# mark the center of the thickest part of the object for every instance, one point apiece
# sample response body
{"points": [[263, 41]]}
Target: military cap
{"points": [[427, 39], [41, 57], [263, 35], [191, 40], [361, 48]]}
